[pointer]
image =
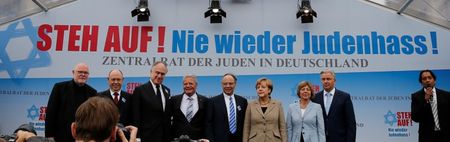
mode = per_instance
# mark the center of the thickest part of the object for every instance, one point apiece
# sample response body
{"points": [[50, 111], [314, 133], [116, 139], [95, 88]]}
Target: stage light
{"points": [[141, 11], [305, 12], [215, 12]]}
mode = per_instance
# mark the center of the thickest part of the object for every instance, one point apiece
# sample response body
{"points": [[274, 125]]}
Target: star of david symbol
{"points": [[36, 58], [33, 112], [390, 118]]}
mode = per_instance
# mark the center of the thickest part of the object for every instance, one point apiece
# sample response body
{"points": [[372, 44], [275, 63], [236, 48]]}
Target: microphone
{"points": [[428, 88], [431, 98]]}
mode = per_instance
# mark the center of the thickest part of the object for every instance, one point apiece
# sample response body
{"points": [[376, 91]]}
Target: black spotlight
{"points": [[215, 11], [306, 12], [141, 11]]}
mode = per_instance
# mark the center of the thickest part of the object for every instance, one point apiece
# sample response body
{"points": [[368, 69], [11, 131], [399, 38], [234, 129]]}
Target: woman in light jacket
{"points": [[304, 119], [264, 118]]}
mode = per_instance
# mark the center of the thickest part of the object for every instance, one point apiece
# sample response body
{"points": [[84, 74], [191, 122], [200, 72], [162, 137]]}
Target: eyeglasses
{"points": [[83, 72]]}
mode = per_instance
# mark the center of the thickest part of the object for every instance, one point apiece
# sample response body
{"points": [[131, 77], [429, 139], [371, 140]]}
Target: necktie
{"points": [[232, 119], [116, 98], [158, 95], [327, 102], [435, 112], [190, 109]]}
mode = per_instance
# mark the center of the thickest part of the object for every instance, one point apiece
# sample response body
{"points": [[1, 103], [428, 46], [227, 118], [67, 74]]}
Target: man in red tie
{"points": [[115, 93]]}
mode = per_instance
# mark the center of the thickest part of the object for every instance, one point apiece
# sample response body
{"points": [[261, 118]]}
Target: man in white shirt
{"points": [[189, 111]]}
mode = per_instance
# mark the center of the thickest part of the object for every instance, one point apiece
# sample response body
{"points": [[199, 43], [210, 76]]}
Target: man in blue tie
{"points": [[337, 108], [226, 113]]}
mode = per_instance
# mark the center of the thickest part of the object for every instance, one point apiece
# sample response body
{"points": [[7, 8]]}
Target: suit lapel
{"points": [[270, 107], [223, 108], [165, 92], [298, 109], [123, 98], [308, 108], [336, 98], [178, 102], [199, 103], [320, 101], [149, 89], [258, 109]]}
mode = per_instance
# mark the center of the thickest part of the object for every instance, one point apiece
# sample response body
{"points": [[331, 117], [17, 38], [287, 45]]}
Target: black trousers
{"points": [[301, 138], [234, 137], [434, 136]]}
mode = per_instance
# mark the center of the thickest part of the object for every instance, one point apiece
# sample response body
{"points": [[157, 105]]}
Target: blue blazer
{"points": [[340, 123], [310, 125]]}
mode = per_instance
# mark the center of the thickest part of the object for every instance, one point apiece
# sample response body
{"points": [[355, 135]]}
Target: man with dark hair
{"points": [[96, 120], [63, 102], [430, 108], [337, 110], [148, 106], [226, 112], [189, 111], [115, 94]]}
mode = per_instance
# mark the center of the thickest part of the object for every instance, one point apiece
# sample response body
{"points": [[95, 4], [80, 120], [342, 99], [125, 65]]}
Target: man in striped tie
{"points": [[226, 113], [189, 111], [430, 107]]}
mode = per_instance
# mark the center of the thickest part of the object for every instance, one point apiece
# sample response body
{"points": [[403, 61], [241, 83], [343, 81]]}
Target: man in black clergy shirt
{"points": [[64, 100]]}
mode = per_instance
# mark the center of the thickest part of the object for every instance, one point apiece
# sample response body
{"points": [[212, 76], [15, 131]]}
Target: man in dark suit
{"points": [[337, 108], [148, 107], [226, 113], [64, 100], [189, 111], [115, 94], [430, 108]]}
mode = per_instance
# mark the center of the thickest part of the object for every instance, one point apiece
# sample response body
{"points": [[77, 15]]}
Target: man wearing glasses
{"points": [[64, 100]]}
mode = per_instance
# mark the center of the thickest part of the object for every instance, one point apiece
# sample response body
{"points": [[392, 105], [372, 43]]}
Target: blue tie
{"points": [[190, 109], [232, 118], [327, 102]]}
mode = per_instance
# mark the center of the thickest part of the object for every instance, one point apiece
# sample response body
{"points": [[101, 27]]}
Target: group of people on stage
{"points": [[325, 116]]}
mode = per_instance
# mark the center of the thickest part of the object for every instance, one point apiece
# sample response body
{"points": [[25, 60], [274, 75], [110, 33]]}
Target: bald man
{"points": [[117, 95], [64, 100], [226, 113]]}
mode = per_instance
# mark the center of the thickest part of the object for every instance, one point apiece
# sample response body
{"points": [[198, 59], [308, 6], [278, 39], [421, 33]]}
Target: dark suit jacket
{"points": [[340, 123], [61, 108], [148, 115], [217, 127], [181, 126], [421, 112], [122, 105]]}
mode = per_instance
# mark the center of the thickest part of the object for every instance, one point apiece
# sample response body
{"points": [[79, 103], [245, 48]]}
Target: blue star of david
{"points": [[390, 118], [36, 58], [33, 112]]}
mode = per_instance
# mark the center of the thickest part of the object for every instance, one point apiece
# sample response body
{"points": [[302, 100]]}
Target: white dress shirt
{"points": [[227, 103], [185, 104], [163, 99]]}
